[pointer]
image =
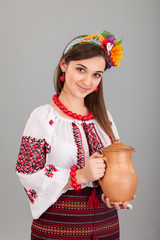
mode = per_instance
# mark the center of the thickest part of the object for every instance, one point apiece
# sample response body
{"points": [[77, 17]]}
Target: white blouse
{"points": [[50, 145]]}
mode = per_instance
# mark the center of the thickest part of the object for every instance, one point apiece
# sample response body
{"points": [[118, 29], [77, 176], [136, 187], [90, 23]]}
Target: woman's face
{"points": [[82, 76]]}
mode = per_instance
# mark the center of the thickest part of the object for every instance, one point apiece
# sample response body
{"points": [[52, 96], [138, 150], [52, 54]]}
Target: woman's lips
{"points": [[82, 88]]}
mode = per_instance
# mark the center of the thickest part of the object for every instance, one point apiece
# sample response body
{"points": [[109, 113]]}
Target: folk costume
{"points": [[51, 144]]}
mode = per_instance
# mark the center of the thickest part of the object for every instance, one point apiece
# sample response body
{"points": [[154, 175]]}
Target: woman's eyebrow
{"points": [[82, 66], [86, 68]]}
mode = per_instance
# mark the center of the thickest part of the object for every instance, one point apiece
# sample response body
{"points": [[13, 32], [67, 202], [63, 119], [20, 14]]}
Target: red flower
{"points": [[104, 44]]}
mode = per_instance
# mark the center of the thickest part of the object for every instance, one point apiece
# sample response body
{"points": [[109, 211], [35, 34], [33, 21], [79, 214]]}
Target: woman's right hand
{"points": [[94, 168]]}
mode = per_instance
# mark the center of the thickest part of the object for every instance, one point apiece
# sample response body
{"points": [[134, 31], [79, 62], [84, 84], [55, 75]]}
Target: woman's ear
{"points": [[63, 65]]}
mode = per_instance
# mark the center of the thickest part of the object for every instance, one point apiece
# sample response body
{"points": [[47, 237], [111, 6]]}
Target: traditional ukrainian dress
{"points": [[50, 145]]}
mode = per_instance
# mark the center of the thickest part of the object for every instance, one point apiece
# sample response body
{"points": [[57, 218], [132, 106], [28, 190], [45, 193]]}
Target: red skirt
{"points": [[72, 218]]}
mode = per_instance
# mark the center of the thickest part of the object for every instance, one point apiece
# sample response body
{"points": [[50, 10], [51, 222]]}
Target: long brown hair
{"points": [[95, 100]]}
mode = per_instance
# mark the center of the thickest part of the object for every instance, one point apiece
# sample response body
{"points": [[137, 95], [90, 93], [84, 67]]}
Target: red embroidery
{"points": [[32, 155], [94, 141], [51, 122], [80, 149], [49, 170], [31, 194]]}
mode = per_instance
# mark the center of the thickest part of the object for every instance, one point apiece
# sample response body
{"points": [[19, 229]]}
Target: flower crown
{"points": [[107, 41]]}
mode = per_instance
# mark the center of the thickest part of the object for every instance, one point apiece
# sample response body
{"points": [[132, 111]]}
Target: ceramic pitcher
{"points": [[120, 179]]}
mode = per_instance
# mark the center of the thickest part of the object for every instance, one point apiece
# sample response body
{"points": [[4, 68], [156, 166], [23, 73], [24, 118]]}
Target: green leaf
{"points": [[109, 33], [119, 43], [105, 32]]}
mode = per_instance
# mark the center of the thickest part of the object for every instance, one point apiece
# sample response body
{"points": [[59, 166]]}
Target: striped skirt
{"points": [[71, 218]]}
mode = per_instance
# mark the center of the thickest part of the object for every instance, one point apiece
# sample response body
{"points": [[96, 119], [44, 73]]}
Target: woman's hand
{"points": [[125, 205], [93, 170]]}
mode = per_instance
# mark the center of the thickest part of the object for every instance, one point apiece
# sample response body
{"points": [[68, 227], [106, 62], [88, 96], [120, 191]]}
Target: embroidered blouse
{"points": [[50, 145]]}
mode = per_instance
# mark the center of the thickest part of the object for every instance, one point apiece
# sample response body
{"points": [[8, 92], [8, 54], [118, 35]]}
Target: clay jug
{"points": [[120, 180]]}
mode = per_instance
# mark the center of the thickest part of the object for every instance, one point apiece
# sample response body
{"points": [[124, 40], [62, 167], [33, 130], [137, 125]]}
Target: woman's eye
{"points": [[80, 69], [97, 75]]}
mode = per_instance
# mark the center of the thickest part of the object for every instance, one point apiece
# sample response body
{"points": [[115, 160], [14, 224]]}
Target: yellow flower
{"points": [[116, 54], [101, 38]]}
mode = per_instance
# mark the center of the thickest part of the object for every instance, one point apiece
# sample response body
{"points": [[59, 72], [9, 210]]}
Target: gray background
{"points": [[33, 35]]}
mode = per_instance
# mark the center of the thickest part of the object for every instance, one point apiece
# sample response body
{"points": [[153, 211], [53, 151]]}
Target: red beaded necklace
{"points": [[69, 113]]}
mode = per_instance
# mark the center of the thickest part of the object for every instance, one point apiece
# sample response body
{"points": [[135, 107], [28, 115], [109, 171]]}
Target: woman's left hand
{"points": [[116, 205]]}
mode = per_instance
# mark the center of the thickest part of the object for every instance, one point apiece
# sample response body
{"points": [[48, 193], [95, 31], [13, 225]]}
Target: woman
{"points": [[60, 158]]}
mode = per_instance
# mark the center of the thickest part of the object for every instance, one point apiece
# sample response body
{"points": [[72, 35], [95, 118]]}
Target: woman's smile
{"points": [[82, 88]]}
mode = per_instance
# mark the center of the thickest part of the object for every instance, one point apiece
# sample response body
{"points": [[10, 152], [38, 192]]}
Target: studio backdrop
{"points": [[33, 36]]}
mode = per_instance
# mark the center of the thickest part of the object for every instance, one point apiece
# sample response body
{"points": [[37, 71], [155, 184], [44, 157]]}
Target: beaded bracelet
{"points": [[73, 179]]}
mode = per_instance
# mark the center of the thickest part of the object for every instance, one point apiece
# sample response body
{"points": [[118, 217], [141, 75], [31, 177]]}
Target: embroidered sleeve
{"points": [[32, 155], [43, 182]]}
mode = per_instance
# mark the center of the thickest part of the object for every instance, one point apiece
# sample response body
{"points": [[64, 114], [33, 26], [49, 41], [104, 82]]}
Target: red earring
{"points": [[95, 90], [62, 78]]}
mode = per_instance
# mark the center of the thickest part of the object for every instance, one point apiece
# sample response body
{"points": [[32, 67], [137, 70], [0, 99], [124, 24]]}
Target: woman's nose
{"points": [[87, 80]]}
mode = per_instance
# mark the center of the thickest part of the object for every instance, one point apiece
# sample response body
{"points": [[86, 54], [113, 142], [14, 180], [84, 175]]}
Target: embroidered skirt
{"points": [[71, 218]]}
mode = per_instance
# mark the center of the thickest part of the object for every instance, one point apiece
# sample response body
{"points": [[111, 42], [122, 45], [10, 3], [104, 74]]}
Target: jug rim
{"points": [[117, 146]]}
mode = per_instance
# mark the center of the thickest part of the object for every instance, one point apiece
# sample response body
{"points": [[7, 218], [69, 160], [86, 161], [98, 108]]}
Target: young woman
{"points": [[60, 158]]}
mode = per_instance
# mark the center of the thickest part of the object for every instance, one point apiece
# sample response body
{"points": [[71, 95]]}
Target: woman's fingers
{"points": [[134, 196], [105, 200], [117, 206], [101, 165], [103, 197], [95, 167], [108, 203], [100, 175], [124, 205]]}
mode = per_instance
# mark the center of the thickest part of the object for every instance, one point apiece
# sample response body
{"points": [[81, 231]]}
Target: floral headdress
{"points": [[107, 41]]}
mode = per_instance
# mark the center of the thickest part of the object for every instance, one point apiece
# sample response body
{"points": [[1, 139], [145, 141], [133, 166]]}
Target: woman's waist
{"points": [[84, 192]]}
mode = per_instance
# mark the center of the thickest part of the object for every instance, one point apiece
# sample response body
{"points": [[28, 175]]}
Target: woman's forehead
{"points": [[98, 62]]}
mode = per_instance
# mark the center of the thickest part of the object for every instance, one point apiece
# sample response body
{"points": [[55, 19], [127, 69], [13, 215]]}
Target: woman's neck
{"points": [[73, 103]]}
